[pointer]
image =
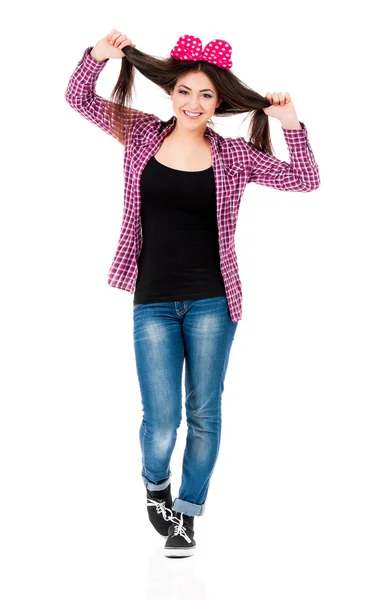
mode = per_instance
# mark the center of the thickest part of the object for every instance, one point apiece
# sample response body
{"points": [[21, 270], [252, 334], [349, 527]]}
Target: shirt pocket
{"points": [[234, 169], [234, 185]]}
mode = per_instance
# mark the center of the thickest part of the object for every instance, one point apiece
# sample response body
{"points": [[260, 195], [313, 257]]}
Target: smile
{"points": [[191, 115]]}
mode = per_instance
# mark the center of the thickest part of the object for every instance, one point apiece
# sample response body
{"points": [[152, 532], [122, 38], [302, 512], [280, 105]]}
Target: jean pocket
{"points": [[136, 305]]}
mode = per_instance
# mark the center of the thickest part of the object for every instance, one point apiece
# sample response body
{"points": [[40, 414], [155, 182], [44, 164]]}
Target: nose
{"points": [[195, 108]]}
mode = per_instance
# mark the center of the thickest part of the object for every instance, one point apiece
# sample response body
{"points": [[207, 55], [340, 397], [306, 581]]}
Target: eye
{"points": [[186, 92]]}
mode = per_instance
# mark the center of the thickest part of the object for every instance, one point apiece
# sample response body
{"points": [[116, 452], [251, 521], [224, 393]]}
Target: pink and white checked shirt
{"points": [[235, 161]]}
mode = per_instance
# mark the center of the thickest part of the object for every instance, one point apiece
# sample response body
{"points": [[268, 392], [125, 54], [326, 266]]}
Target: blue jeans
{"points": [[199, 332]]}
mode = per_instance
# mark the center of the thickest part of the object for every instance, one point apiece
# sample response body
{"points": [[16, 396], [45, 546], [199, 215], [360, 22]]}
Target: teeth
{"points": [[192, 114]]}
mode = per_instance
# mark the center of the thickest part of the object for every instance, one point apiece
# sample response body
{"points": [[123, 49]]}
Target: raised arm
{"points": [[81, 95], [300, 175]]}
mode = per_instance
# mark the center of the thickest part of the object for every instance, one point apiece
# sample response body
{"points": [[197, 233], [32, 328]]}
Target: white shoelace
{"points": [[180, 530], [161, 507]]}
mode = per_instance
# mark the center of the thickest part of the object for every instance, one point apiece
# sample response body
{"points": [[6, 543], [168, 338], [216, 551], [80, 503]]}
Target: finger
{"points": [[275, 99], [123, 40], [110, 34], [281, 96], [126, 43], [115, 36], [119, 40]]}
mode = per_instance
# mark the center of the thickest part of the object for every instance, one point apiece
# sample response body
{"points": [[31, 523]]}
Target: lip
{"points": [[193, 118]]}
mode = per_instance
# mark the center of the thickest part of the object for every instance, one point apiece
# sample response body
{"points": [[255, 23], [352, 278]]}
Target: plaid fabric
{"points": [[235, 161]]}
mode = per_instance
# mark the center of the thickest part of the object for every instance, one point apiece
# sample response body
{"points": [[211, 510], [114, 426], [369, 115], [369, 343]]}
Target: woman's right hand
{"points": [[111, 46]]}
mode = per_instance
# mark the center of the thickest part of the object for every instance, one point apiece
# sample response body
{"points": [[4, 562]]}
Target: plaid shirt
{"points": [[235, 162]]}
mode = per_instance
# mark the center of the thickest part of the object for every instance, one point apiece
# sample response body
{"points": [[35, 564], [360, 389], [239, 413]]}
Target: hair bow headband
{"points": [[217, 52]]}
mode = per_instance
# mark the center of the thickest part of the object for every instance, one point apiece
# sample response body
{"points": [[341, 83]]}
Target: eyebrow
{"points": [[206, 90]]}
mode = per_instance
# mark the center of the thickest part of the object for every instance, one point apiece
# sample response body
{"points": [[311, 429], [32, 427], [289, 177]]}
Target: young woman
{"points": [[183, 184]]}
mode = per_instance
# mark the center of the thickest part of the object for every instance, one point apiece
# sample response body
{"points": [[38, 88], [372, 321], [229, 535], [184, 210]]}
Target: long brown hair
{"points": [[236, 97]]}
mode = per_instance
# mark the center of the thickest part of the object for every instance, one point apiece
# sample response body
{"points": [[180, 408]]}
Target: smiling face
{"points": [[194, 92]]}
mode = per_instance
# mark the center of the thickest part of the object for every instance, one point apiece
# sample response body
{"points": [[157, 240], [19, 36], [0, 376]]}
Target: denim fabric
{"points": [[168, 335]]}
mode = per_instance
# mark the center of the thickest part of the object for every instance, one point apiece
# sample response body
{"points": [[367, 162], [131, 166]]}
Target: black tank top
{"points": [[179, 259]]}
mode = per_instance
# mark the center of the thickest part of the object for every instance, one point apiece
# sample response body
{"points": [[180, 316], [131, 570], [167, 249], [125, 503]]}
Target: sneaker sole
{"points": [[179, 552]]}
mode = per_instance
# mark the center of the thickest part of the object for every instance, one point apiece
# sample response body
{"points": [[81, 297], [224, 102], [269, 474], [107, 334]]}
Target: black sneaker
{"points": [[180, 542], [159, 503]]}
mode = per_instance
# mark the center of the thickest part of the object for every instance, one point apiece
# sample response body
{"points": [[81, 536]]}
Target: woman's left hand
{"points": [[281, 106]]}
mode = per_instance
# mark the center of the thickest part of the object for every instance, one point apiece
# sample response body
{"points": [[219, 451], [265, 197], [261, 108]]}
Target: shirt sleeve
{"points": [[81, 95], [301, 174]]}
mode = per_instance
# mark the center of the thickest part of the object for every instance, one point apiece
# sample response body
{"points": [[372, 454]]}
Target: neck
{"points": [[186, 135]]}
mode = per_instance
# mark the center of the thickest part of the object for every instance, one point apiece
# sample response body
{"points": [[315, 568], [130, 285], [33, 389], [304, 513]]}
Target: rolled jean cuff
{"points": [[156, 486], [188, 508]]}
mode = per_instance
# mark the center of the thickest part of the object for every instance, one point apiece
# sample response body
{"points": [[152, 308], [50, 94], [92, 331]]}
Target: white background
{"points": [[294, 505]]}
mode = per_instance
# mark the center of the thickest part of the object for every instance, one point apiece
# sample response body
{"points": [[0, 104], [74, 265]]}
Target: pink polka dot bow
{"points": [[217, 52]]}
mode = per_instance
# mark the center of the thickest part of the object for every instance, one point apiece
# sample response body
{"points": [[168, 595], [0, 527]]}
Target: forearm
{"points": [[81, 94], [96, 56], [291, 124]]}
